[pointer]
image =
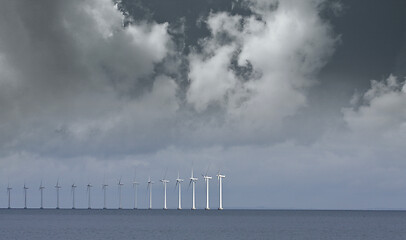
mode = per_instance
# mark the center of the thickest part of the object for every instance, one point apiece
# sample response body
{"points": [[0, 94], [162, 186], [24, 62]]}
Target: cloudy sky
{"points": [[301, 104]]}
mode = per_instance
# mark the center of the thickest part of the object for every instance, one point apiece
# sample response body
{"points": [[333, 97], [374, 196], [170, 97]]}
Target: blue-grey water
{"points": [[186, 224]]}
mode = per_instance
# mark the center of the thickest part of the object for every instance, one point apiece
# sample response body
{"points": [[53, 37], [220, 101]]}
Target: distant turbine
{"points": [[41, 188], [89, 186], [120, 184], [9, 195], [178, 183], [150, 182], [220, 179], [193, 181], [73, 195], [135, 183], [207, 179], [164, 182], [57, 186], [104, 187], [25, 196]]}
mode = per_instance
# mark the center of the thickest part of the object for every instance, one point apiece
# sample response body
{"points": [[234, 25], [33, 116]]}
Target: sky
{"points": [[301, 104]]}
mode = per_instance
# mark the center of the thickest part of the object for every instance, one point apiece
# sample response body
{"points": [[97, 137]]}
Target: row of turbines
{"points": [[120, 184]]}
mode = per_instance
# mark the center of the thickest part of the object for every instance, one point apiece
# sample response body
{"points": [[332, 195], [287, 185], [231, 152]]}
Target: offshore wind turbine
{"points": [[57, 186], [193, 181], [178, 183], [88, 188], [220, 179], [120, 184], [150, 182], [9, 195], [41, 189], [164, 182], [104, 187], [135, 183], [25, 196], [207, 179], [73, 195]]}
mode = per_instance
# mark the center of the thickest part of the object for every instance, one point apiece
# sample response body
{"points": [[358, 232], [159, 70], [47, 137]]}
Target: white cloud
{"points": [[382, 110], [286, 48]]}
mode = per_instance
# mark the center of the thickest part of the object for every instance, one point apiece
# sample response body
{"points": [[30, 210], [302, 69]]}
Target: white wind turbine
{"points": [[207, 179], [25, 196], [120, 184], [220, 179], [88, 188], [57, 186], [178, 183], [104, 187], [193, 181], [9, 195], [73, 188], [41, 189], [164, 182], [150, 182], [135, 183]]}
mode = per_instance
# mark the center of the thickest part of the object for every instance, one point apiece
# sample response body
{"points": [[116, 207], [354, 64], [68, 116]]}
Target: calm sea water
{"points": [[228, 224]]}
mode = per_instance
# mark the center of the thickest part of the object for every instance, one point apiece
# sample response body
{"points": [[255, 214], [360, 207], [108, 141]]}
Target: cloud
{"points": [[382, 109], [70, 70], [258, 68]]}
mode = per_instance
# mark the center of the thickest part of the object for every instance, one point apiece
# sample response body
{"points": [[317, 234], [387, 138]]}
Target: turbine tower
{"points": [[207, 179], [89, 186], [73, 195], [178, 183], [41, 189], [150, 182], [104, 187], [120, 184], [57, 186], [9, 195], [193, 181], [25, 196], [220, 179], [164, 182], [135, 183]]}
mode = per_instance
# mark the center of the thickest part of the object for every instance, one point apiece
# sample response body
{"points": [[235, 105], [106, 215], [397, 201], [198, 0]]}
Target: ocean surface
{"points": [[200, 224]]}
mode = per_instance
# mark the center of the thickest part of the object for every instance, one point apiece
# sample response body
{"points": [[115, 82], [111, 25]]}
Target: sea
{"points": [[51, 224]]}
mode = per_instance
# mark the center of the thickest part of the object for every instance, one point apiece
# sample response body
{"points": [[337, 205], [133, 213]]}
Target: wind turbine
{"points": [[150, 182], [25, 196], [207, 179], [120, 184], [193, 181], [73, 195], [220, 179], [164, 182], [104, 187], [41, 188], [89, 186], [57, 186], [9, 195], [135, 183], [178, 183]]}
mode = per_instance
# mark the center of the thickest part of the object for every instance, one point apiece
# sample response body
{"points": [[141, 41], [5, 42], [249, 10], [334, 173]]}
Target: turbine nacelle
{"points": [[220, 176]]}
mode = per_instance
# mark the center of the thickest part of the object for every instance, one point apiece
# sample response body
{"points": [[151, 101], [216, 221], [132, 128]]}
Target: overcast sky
{"points": [[301, 104]]}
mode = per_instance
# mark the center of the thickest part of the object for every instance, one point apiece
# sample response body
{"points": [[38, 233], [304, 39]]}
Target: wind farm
{"points": [[169, 200]]}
